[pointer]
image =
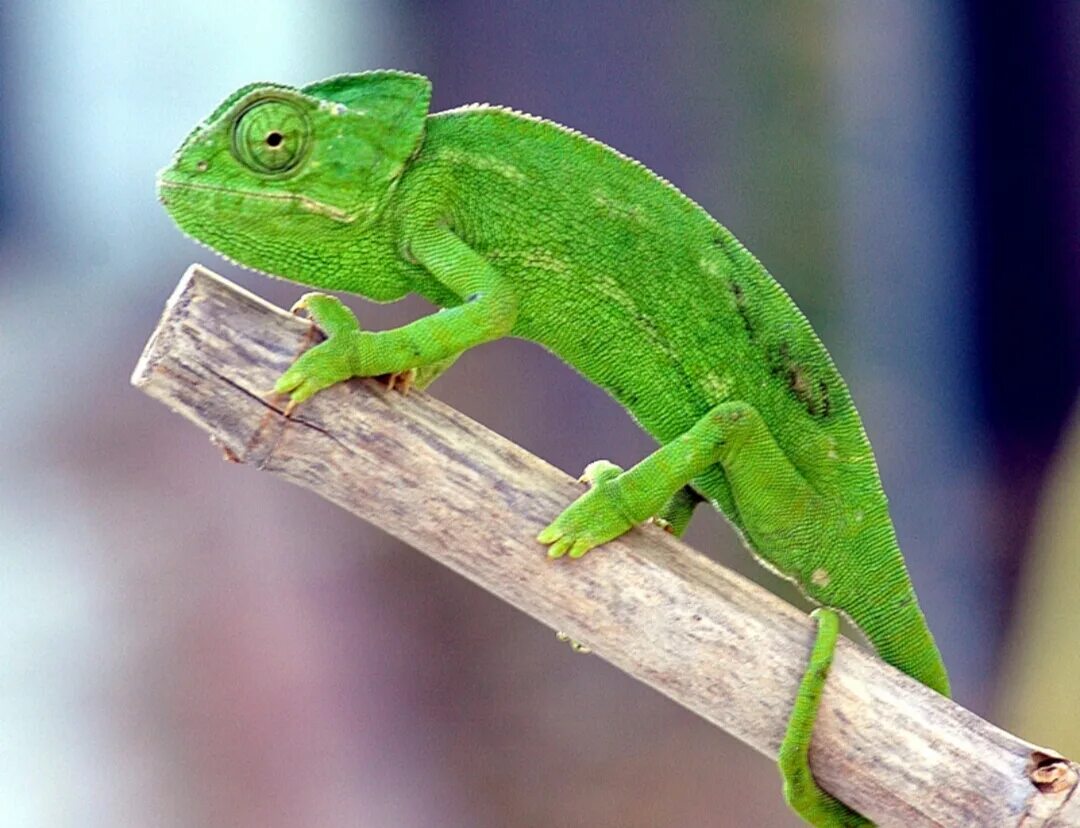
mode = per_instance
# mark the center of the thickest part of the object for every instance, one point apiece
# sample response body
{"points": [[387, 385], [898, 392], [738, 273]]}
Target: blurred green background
{"points": [[185, 642]]}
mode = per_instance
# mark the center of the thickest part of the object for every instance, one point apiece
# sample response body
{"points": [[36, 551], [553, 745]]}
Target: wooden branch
{"points": [[709, 639]]}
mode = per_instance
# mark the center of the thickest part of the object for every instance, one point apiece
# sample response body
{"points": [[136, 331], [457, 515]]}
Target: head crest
{"points": [[395, 102]]}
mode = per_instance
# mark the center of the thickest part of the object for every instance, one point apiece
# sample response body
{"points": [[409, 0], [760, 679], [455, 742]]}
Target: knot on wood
{"points": [[1050, 773]]}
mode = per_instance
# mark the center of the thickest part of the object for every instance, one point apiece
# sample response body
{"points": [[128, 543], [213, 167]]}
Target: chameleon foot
{"points": [[592, 519], [328, 363]]}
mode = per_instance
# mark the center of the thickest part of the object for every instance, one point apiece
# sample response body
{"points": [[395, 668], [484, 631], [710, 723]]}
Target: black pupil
{"points": [[274, 139]]}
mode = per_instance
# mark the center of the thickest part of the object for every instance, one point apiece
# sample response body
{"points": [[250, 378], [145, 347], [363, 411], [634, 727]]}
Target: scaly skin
{"points": [[520, 227]]}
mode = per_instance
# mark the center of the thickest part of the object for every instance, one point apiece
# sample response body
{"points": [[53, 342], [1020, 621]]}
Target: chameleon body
{"points": [[517, 226]]}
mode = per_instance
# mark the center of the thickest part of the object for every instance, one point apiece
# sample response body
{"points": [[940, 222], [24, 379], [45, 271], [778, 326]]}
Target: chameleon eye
{"points": [[271, 136]]}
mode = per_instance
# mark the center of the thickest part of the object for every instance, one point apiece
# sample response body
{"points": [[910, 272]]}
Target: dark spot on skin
{"points": [[800, 383], [823, 397], [741, 306], [472, 297], [797, 381]]}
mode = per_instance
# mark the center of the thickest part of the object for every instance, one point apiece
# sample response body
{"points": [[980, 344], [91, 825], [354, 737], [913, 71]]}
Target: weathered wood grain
{"points": [[712, 641]]}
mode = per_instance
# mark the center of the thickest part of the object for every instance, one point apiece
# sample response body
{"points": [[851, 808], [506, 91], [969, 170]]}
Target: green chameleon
{"points": [[517, 226]]}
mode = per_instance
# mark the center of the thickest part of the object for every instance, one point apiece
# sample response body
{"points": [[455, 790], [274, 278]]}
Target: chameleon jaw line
{"points": [[309, 204]]}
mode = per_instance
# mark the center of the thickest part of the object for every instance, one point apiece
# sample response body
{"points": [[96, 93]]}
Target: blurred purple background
{"points": [[189, 643]]}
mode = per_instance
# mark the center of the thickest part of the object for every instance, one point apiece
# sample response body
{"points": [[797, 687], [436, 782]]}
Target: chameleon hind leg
{"points": [[779, 511], [732, 435], [675, 516], [422, 376]]}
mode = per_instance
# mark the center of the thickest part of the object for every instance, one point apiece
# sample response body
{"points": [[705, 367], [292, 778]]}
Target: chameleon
{"points": [[513, 225]]}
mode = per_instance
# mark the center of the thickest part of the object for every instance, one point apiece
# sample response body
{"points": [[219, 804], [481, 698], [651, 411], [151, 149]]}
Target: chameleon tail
{"points": [[899, 633]]}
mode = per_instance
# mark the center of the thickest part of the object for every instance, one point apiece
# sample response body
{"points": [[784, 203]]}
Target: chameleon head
{"points": [[287, 180]]}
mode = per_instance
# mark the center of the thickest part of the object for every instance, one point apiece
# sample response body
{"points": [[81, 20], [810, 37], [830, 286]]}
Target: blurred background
{"points": [[185, 642]]}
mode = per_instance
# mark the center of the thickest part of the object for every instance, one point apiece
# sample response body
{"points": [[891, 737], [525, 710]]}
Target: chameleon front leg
{"points": [[777, 507], [336, 320], [428, 345]]}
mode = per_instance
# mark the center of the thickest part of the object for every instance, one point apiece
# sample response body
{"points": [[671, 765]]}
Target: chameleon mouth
{"points": [[165, 183]]}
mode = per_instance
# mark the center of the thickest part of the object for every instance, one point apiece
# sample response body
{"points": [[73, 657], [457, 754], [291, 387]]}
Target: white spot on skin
{"points": [[709, 266], [618, 208], [482, 162], [831, 453], [333, 107], [717, 387], [611, 290], [820, 578], [542, 259]]}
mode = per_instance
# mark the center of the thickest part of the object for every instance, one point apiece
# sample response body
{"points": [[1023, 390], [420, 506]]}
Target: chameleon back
{"points": [[640, 290]]}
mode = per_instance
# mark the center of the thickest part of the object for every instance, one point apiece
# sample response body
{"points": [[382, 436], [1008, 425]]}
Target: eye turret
{"points": [[271, 136]]}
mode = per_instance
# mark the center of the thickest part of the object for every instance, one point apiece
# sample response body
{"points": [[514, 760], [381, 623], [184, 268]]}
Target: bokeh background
{"points": [[184, 642]]}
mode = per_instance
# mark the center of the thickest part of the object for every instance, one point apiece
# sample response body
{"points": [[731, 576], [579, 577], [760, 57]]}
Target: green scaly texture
{"points": [[518, 226]]}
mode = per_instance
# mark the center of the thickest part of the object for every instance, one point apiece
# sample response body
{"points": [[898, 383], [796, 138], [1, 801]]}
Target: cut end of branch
{"points": [[1050, 773], [140, 377]]}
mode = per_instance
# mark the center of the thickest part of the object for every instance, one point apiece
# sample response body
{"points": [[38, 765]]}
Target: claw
{"points": [[576, 646], [598, 471], [662, 523], [403, 381], [300, 304], [291, 406]]}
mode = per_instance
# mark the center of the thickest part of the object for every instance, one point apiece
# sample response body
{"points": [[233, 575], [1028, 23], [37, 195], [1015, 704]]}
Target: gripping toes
{"points": [[322, 366], [328, 312], [592, 519], [329, 362]]}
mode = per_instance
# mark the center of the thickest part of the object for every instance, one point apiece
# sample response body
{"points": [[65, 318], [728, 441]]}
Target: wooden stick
{"points": [[709, 639]]}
